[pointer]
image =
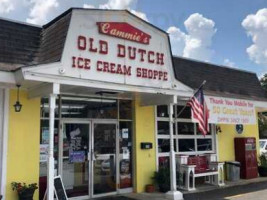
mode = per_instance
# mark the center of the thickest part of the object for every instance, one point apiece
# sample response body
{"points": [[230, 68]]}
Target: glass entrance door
{"points": [[74, 163], [104, 158], [87, 158]]}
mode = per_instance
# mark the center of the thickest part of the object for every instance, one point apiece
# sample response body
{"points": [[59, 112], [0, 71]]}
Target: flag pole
{"points": [[202, 84]]}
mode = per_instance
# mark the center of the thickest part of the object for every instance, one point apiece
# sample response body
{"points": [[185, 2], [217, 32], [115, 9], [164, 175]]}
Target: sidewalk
{"points": [[249, 190], [252, 189]]}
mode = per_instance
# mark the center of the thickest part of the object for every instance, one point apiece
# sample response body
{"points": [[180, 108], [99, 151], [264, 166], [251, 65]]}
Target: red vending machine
{"points": [[245, 153]]}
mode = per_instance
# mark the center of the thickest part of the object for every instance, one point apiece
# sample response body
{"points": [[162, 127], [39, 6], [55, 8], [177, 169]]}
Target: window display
{"points": [[187, 139]]}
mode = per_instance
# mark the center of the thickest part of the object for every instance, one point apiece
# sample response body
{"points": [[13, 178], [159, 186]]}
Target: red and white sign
{"points": [[137, 54], [123, 30], [230, 111]]}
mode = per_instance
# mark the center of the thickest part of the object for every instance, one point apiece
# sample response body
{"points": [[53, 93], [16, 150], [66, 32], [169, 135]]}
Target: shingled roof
{"points": [[18, 44], [221, 81], [23, 44]]}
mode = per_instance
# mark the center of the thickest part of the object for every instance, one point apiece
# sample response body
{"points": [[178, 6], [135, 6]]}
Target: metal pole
{"points": [[203, 83], [172, 153], [50, 168]]}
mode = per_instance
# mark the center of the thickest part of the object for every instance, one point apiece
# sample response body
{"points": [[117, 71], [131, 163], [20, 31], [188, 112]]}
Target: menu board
{"points": [[59, 189]]}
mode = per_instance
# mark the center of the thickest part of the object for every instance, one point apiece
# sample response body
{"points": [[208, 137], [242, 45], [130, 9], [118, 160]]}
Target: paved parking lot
{"points": [[252, 191]]}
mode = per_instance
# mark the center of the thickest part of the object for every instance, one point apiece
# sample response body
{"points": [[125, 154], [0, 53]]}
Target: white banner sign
{"points": [[230, 111]]}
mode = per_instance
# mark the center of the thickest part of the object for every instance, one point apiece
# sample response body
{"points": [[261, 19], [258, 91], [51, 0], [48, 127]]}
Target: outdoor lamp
{"points": [[17, 105]]}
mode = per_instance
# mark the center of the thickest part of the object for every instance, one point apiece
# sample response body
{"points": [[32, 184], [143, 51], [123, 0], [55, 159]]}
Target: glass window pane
{"points": [[262, 143], [199, 133], [75, 161], [185, 128], [73, 107], [44, 144], [185, 114], [125, 107], [204, 144], [164, 162], [162, 111], [45, 108], [186, 145], [163, 145], [125, 154], [163, 128]]}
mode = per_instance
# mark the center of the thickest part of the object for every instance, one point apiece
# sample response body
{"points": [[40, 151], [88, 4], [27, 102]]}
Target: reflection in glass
{"points": [[75, 161], [125, 107], [185, 128], [199, 133], [45, 108], [164, 161], [163, 128], [204, 144], [163, 145], [185, 114], [74, 107], [104, 164], [186, 145], [125, 143], [162, 111]]}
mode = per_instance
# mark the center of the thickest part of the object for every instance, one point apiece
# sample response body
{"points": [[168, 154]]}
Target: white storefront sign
{"points": [[117, 49], [230, 111]]}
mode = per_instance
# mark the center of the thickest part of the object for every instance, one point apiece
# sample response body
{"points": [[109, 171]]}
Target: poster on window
{"points": [[45, 135], [230, 111], [75, 140], [44, 148], [77, 156]]}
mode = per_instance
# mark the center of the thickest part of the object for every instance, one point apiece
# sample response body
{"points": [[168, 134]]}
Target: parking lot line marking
{"points": [[235, 196]]}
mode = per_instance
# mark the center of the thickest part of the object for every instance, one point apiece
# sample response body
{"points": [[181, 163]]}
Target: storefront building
{"points": [[107, 87]]}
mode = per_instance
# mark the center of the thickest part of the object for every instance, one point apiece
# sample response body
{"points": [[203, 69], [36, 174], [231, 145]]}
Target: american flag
{"points": [[200, 111]]}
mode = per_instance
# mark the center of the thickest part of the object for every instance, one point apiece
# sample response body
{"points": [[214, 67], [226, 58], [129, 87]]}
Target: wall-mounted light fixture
{"points": [[17, 105], [218, 129]]}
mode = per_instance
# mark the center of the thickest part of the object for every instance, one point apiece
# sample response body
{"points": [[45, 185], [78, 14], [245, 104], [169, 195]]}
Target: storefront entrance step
{"points": [[114, 198], [147, 196], [228, 184], [224, 192]]}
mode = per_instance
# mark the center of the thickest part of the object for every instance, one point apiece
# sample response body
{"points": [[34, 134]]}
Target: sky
{"points": [[231, 33]]}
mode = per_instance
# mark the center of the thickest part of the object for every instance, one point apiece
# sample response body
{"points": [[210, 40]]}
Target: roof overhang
{"points": [[7, 79]]}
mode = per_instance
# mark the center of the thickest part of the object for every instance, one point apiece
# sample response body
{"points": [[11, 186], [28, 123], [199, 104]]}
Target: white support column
{"points": [[172, 152], [51, 161], [5, 122], [173, 194]]}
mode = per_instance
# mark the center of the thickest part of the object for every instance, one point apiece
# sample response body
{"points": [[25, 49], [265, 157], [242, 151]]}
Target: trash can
{"points": [[232, 170]]}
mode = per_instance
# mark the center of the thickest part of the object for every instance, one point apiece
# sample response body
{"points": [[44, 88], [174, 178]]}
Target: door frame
{"points": [[60, 149], [91, 123], [100, 121]]}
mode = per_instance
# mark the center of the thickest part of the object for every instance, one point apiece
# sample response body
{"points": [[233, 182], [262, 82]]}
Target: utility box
{"points": [[232, 170]]}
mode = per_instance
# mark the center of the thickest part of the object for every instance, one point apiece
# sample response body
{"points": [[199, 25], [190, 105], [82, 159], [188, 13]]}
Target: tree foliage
{"points": [[263, 82]]}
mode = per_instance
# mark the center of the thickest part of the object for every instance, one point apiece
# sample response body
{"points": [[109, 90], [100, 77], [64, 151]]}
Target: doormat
{"points": [[114, 198]]}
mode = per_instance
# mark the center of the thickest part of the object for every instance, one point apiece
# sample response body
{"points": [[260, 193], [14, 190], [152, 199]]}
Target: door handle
{"points": [[93, 157]]}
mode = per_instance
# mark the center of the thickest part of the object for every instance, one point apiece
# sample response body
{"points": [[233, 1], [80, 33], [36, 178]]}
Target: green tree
{"points": [[263, 82], [262, 117]]}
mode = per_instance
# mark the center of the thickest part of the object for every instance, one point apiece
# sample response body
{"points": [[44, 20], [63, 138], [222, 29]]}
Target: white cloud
{"points": [[88, 6], [120, 5], [6, 6], [229, 63], [256, 27], [177, 38], [196, 43], [139, 14], [117, 4], [40, 10]]}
